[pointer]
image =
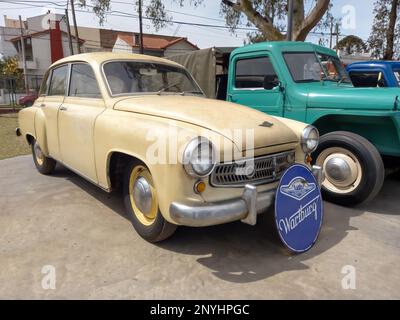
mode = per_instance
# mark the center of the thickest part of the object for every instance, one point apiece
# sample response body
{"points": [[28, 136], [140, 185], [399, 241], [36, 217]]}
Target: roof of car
{"points": [[100, 57], [375, 63], [284, 46]]}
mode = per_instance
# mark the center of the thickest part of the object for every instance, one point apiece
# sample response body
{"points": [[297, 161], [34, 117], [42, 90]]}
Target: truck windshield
{"points": [[397, 75], [131, 77], [308, 67]]}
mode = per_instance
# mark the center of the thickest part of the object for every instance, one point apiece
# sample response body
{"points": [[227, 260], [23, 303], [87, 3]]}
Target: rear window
{"points": [[367, 79]]}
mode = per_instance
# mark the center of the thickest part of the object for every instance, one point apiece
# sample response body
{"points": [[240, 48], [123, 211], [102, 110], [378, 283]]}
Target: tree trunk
{"points": [[301, 25], [389, 52]]}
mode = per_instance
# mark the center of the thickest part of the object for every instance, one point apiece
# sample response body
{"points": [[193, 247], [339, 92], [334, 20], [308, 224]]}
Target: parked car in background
{"points": [[379, 74], [360, 127], [101, 115], [28, 99]]}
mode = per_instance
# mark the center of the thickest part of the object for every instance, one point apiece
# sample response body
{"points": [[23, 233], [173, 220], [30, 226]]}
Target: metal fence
{"points": [[13, 88]]}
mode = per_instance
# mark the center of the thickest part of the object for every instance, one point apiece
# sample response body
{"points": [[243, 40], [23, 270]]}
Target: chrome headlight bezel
{"points": [[305, 137], [192, 146]]}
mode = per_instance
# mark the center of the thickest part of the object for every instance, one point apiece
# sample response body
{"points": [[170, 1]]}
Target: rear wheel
{"points": [[354, 170], [44, 165], [141, 203]]}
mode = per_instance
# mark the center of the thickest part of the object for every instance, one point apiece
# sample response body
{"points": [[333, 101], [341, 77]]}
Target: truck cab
{"points": [[380, 74], [360, 127]]}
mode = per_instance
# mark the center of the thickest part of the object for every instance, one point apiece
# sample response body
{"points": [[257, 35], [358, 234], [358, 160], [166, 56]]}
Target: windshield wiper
{"points": [[167, 87], [192, 92]]}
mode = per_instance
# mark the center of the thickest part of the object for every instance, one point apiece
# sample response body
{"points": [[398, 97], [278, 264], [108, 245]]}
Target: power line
{"points": [[118, 13]]}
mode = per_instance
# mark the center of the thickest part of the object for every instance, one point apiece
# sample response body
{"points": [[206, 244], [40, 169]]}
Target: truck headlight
{"points": [[309, 139], [199, 157]]}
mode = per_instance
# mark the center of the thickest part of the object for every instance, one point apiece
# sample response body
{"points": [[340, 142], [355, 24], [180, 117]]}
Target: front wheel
{"points": [[141, 203], [44, 165], [354, 170]]}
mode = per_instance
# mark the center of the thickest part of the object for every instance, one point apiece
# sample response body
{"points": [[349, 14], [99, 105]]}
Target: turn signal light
{"points": [[200, 187], [309, 159]]}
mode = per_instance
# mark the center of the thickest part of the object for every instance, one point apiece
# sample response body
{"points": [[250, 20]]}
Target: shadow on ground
{"points": [[240, 253]]}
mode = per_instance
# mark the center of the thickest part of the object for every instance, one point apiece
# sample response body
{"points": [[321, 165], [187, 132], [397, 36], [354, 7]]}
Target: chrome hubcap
{"points": [[143, 195], [337, 169], [343, 172], [38, 153]]}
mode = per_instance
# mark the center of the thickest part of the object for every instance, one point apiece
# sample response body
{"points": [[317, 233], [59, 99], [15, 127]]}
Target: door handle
{"points": [[232, 98], [62, 108]]}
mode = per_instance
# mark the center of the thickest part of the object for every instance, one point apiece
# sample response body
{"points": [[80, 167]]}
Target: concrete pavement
{"points": [[65, 222]]}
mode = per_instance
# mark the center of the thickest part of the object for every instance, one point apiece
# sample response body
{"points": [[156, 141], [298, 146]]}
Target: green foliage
{"points": [[9, 67], [378, 40], [352, 44], [269, 17]]}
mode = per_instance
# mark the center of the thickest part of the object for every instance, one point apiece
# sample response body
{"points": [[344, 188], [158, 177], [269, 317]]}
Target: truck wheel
{"points": [[354, 170], [44, 165], [141, 203]]}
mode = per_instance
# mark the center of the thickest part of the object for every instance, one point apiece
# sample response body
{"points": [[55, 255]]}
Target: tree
{"points": [[269, 17], [352, 44], [384, 38], [9, 67]]}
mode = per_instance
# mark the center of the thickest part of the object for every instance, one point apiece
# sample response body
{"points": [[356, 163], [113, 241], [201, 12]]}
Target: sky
{"points": [[357, 16]]}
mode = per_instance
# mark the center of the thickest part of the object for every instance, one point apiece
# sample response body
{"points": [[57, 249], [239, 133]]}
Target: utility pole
{"points": [[141, 27], [75, 26], [289, 35], [23, 55], [331, 34], [337, 37], [71, 47]]}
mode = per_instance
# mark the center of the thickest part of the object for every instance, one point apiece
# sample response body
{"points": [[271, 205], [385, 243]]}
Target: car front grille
{"points": [[260, 170]]}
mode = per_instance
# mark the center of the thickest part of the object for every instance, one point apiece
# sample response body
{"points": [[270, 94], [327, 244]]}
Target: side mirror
{"points": [[271, 82]]}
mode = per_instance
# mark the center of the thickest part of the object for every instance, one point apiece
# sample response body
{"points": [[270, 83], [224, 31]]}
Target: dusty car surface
{"points": [[117, 120]]}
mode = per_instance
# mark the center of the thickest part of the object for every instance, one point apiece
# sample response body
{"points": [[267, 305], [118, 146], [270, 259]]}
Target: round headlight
{"points": [[199, 157], [309, 139]]}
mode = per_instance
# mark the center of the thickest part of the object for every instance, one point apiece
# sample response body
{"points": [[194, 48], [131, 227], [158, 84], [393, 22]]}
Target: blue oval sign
{"points": [[298, 209]]}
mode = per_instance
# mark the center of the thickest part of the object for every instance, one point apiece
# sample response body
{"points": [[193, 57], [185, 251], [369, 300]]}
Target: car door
{"points": [[52, 96], [252, 76], [76, 120]]}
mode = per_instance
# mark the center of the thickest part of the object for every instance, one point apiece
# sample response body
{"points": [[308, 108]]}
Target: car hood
{"points": [[347, 97], [214, 115]]}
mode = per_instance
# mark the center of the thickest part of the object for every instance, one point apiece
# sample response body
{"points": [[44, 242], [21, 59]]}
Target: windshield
{"points": [[308, 67], [397, 75], [126, 77]]}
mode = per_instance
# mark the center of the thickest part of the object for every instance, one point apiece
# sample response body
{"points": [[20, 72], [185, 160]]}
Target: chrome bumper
{"points": [[245, 208]]}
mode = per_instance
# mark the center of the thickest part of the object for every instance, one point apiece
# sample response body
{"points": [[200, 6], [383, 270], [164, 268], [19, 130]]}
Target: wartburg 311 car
{"points": [[142, 123]]}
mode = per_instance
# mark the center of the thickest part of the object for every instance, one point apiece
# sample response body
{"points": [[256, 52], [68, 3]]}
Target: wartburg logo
{"points": [[298, 188]]}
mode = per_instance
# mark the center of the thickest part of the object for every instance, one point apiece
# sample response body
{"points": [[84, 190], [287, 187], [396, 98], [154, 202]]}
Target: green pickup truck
{"points": [[360, 127]]}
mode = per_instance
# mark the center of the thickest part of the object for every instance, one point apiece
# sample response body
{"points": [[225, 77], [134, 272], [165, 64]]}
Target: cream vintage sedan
{"points": [[142, 123]]}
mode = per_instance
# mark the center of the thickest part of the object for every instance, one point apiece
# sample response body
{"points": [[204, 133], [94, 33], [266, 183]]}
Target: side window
{"points": [[45, 84], [254, 72], [83, 82], [58, 81], [368, 79]]}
